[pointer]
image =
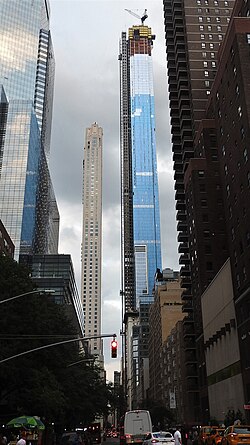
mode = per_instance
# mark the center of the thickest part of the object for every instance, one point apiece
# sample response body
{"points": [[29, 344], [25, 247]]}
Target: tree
{"points": [[42, 383]]}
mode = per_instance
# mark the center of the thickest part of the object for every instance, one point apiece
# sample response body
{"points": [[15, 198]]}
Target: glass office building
{"points": [[146, 214], [28, 207]]}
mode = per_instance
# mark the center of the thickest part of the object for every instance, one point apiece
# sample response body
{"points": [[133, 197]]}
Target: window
{"points": [[208, 248], [238, 280], [205, 64], [206, 73], [200, 19], [212, 55], [233, 233], [202, 37], [245, 154], [248, 238], [209, 265]]}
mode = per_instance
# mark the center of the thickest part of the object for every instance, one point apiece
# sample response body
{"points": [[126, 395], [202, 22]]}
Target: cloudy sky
{"points": [[86, 44]]}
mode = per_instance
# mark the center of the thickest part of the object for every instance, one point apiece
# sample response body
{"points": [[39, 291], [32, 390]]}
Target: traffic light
{"points": [[114, 349]]}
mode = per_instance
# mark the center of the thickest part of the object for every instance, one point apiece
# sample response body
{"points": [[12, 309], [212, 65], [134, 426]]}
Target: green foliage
{"points": [[42, 383], [161, 416]]}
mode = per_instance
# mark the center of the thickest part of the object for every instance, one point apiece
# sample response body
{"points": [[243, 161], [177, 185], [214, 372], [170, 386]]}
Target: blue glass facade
{"points": [[146, 213], [27, 77]]}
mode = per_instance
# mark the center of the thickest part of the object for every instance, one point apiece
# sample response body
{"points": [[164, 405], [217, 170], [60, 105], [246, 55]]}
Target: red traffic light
{"points": [[113, 349]]}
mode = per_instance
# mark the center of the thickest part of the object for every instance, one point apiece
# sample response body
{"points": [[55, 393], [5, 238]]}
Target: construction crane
{"points": [[143, 18]]}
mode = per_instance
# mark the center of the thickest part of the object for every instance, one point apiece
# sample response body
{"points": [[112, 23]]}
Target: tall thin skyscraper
{"points": [[28, 207], [92, 236], [139, 163], [141, 245]]}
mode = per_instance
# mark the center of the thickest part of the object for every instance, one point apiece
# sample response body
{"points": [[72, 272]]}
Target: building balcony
{"points": [[181, 215], [185, 270], [180, 205], [189, 344], [186, 296], [179, 195], [183, 247], [187, 306], [178, 174], [181, 226], [185, 281], [182, 238]]}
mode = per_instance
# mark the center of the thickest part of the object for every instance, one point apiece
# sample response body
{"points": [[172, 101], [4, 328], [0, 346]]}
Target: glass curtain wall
{"points": [[146, 213]]}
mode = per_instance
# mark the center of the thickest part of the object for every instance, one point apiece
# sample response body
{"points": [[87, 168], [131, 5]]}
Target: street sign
{"points": [[246, 406]]}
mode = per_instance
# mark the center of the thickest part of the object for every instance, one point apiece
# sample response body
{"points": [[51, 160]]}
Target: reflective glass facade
{"points": [[27, 204], [146, 214], [56, 272]]}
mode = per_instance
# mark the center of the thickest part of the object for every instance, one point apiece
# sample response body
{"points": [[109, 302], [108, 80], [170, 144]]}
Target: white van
{"points": [[137, 424]]}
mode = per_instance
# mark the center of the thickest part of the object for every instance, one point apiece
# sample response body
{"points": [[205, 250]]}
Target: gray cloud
{"points": [[86, 43]]}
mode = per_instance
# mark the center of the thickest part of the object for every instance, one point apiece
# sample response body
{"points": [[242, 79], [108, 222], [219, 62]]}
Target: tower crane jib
{"points": [[142, 18]]}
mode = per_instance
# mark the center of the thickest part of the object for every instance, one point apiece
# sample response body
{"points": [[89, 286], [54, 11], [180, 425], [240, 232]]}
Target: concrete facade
{"points": [[225, 388], [163, 316], [92, 236]]}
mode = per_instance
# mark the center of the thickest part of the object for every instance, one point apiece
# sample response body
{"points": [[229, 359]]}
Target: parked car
{"points": [[73, 438], [204, 434], [236, 435], [161, 437], [215, 436]]}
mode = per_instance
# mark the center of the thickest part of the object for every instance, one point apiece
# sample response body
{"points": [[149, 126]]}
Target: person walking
{"points": [[177, 437], [22, 440]]}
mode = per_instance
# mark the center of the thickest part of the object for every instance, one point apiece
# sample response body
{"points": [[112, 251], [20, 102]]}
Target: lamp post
{"points": [[45, 291]]}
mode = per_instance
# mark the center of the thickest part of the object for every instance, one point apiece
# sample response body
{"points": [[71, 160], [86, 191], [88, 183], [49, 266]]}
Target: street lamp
{"points": [[45, 291]]}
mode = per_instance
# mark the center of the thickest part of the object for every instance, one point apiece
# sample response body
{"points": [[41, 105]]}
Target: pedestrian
{"points": [[22, 440], [195, 437], [177, 437]]}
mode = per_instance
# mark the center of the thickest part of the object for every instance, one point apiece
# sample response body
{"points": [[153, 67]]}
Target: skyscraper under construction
{"points": [[141, 245]]}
